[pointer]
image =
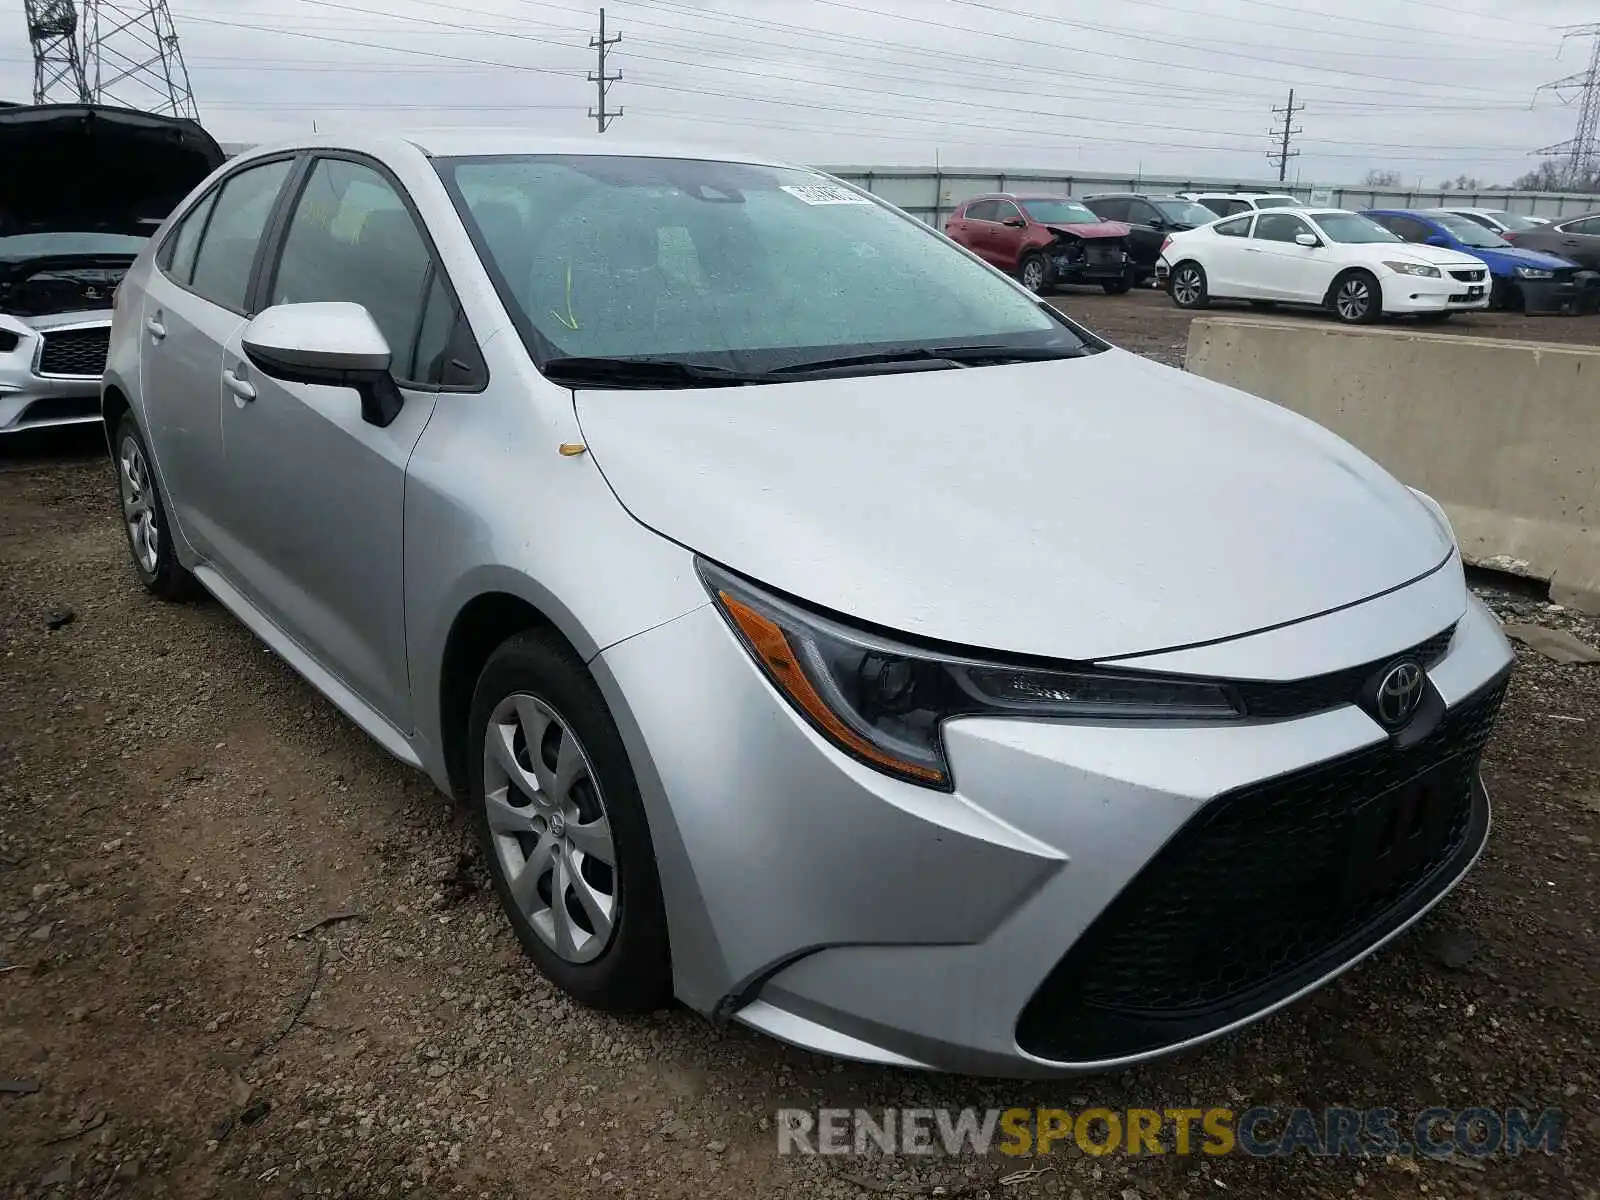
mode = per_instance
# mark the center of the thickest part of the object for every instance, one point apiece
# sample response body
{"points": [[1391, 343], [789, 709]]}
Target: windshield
{"points": [[1277, 202], [1060, 212], [753, 267], [1184, 212], [1470, 233], [33, 245], [1352, 228]]}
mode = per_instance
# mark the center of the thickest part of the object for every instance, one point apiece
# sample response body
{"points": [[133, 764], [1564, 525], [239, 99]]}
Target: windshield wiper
{"points": [[960, 355], [646, 373]]}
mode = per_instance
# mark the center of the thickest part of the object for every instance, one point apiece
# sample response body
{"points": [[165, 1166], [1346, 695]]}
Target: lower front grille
{"points": [[1267, 889], [75, 352]]}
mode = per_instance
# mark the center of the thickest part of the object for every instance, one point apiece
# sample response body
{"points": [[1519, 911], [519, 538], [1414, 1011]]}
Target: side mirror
{"points": [[1439, 239], [1307, 240], [332, 344]]}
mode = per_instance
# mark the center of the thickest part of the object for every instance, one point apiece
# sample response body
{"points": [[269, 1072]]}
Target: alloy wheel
{"points": [[1186, 287], [138, 505], [1033, 274], [551, 830], [1354, 299]]}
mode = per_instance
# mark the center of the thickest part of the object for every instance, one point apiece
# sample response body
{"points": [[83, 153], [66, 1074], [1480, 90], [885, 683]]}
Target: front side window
{"points": [[351, 238], [1590, 226], [1060, 212], [983, 210], [763, 268], [1007, 211], [1237, 228], [232, 236], [1279, 227], [1406, 228], [1353, 229]]}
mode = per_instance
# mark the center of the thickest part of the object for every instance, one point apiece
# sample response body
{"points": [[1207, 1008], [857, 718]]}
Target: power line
{"points": [[1582, 150], [602, 82], [1280, 157]]}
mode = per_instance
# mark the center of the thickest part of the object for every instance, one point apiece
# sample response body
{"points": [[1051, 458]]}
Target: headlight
{"points": [[1533, 273], [883, 702], [1411, 268]]}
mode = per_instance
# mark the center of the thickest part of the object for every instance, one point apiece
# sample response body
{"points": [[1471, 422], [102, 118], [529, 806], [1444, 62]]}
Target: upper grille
{"points": [[1469, 275], [1302, 697], [1266, 889], [75, 352]]}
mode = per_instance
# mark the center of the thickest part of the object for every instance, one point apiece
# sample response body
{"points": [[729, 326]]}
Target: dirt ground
{"points": [[176, 806], [1147, 322]]}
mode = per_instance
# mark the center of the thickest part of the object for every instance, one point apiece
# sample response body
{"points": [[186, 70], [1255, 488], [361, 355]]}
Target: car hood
{"points": [[1090, 230], [1502, 260], [1077, 509], [89, 167], [1438, 256]]}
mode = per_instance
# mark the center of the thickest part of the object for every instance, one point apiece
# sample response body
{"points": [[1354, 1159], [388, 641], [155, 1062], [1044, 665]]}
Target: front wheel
{"points": [[562, 827], [1357, 298], [1188, 286], [1118, 287], [1035, 273]]}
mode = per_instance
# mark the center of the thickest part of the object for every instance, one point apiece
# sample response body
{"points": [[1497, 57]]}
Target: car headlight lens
{"points": [[1411, 268], [884, 702], [1534, 273]]}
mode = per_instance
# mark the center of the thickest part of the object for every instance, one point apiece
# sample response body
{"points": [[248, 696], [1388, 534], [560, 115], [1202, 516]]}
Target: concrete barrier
{"points": [[1504, 434]]}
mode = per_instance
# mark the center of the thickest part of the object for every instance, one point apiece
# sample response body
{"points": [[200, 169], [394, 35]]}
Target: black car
{"points": [[1575, 238], [1150, 217]]}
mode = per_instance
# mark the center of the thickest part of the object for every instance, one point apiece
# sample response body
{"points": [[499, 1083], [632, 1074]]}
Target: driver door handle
{"points": [[243, 389]]}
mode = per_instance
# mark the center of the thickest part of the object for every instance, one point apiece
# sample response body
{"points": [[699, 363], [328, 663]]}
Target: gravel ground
{"points": [[176, 807]]}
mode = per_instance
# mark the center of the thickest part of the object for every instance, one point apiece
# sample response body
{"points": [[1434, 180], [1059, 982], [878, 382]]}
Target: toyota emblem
{"points": [[1400, 694]]}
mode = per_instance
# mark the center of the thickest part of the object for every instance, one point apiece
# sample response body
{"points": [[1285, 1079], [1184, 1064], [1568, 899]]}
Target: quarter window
{"points": [[178, 253], [228, 250], [352, 238]]}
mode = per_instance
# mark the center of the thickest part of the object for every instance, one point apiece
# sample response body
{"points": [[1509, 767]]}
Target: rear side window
{"points": [[1588, 225], [1237, 228], [228, 250], [178, 252]]}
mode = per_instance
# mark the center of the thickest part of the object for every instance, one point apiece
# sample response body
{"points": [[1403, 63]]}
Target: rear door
{"points": [[194, 302], [315, 515], [1580, 241]]}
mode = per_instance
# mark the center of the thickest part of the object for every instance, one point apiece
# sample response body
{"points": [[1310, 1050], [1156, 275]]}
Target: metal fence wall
{"points": [[930, 194]]}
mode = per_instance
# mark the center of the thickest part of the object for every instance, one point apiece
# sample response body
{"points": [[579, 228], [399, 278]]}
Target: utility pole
{"points": [[131, 57], [602, 82], [1283, 154], [1582, 150]]}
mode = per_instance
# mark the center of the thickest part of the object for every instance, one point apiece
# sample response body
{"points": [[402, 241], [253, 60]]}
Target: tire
{"points": [[1118, 287], [144, 518], [1187, 286], [1345, 298], [543, 704], [1034, 272]]}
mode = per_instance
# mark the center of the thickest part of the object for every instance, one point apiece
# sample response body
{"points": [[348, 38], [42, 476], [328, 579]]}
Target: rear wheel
{"points": [[1188, 286], [144, 518], [1035, 273], [1357, 298]]}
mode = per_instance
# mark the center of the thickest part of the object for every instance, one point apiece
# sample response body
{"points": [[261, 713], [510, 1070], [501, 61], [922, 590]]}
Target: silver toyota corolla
{"points": [[822, 630]]}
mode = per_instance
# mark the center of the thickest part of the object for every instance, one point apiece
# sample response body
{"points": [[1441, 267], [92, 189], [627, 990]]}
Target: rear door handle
{"points": [[241, 388], [155, 328]]}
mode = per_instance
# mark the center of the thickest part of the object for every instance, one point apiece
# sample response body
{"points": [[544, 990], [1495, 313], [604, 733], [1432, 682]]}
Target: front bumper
{"points": [[1415, 294], [1578, 294], [1070, 269], [32, 394], [1091, 896]]}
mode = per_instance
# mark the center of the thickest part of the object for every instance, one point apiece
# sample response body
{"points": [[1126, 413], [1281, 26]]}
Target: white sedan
{"points": [[1328, 257]]}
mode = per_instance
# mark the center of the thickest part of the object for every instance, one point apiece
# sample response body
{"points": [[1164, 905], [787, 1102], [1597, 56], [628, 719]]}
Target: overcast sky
{"points": [[1429, 88]]}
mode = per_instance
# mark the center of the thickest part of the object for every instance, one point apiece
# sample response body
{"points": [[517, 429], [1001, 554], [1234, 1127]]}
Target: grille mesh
{"points": [[75, 352], [1262, 892]]}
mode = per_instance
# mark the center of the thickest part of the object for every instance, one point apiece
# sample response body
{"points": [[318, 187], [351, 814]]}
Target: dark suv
{"points": [[1150, 217]]}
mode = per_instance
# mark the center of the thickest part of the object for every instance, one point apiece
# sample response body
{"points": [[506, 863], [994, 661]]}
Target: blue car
{"points": [[1524, 280]]}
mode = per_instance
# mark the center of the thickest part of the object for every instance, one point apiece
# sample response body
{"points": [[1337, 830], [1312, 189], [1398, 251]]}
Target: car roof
{"points": [[449, 143]]}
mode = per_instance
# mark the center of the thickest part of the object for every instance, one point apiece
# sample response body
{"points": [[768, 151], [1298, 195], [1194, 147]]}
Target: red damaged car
{"points": [[1045, 241]]}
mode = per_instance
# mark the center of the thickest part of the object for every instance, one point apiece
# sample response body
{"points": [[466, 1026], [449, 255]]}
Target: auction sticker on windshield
{"points": [[821, 193]]}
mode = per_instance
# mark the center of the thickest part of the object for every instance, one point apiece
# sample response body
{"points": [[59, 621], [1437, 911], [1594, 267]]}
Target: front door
{"points": [[193, 304], [1006, 241], [316, 514], [1284, 269]]}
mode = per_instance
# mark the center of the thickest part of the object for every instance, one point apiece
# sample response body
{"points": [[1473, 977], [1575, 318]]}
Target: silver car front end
{"points": [[50, 369]]}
